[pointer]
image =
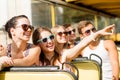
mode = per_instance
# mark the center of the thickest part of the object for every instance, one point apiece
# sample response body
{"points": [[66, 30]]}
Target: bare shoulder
{"points": [[35, 46], [35, 49], [109, 43]]}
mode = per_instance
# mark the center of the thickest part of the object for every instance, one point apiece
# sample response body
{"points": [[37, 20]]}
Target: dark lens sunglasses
{"points": [[51, 37], [70, 32], [61, 33], [89, 31], [25, 27]]}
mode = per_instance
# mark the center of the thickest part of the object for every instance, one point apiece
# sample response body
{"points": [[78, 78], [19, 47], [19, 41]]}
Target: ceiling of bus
{"points": [[109, 7]]}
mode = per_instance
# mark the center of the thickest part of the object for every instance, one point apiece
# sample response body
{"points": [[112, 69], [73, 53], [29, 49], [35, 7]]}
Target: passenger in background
{"points": [[43, 37], [71, 35], [61, 38], [105, 49], [19, 52]]}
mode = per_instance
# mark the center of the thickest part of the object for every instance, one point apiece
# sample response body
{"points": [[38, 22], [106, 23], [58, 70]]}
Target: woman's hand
{"points": [[6, 61], [2, 50]]}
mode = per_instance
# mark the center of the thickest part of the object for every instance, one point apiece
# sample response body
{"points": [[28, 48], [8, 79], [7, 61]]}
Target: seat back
{"points": [[36, 73], [118, 48], [88, 69]]}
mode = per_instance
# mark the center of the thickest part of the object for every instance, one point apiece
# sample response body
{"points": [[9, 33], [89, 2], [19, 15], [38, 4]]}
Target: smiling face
{"points": [[49, 44], [61, 35], [71, 33], [22, 30]]}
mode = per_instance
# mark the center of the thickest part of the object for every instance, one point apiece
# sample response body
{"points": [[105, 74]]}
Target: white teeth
{"points": [[49, 46], [27, 34]]}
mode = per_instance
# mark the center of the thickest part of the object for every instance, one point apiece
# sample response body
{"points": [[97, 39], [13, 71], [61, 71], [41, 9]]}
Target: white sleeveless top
{"points": [[101, 52]]}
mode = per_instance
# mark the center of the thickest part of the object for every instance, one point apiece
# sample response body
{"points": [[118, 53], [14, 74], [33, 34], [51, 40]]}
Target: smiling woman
{"points": [[19, 52]]}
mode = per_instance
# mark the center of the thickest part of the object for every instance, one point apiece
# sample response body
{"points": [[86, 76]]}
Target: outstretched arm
{"points": [[75, 51]]}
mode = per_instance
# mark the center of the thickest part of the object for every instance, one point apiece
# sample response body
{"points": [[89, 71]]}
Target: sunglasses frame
{"points": [[25, 27], [61, 33], [88, 32], [44, 40], [70, 32]]}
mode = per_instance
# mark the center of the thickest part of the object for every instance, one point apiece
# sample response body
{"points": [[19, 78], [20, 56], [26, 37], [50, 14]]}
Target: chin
{"points": [[62, 42], [51, 50]]}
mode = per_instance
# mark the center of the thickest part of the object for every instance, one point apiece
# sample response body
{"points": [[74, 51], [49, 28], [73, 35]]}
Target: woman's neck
{"points": [[18, 46], [49, 55], [60, 46]]}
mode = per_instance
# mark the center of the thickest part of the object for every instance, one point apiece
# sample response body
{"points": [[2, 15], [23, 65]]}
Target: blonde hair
{"points": [[54, 31]]}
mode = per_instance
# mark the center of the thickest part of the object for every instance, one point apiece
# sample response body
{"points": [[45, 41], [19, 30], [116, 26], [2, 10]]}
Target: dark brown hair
{"points": [[67, 25], [36, 36], [12, 23]]}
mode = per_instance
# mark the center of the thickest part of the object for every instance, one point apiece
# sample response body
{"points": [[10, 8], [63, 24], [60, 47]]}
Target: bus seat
{"points": [[36, 73], [88, 69], [118, 48]]}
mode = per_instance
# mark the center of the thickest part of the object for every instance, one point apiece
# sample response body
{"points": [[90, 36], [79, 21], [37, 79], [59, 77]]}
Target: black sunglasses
{"points": [[61, 33], [25, 27], [51, 37], [70, 32], [87, 32]]}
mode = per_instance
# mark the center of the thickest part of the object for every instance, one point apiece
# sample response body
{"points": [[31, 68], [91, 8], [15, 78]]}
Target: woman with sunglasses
{"points": [[61, 37], [105, 49], [19, 52], [50, 56]]}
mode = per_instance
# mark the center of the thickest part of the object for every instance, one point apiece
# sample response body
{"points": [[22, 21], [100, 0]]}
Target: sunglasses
{"points": [[51, 37], [70, 32], [25, 27], [61, 33], [88, 32]]}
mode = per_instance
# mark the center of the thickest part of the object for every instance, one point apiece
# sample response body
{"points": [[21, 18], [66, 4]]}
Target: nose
{"points": [[49, 40], [91, 32], [29, 29], [64, 34], [72, 32]]}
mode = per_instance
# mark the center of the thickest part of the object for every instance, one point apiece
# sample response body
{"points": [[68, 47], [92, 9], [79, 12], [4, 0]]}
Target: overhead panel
{"points": [[109, 7]]}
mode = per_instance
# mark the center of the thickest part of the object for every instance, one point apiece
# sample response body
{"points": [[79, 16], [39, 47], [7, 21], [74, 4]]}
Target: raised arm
{"points": [[75, 51]]}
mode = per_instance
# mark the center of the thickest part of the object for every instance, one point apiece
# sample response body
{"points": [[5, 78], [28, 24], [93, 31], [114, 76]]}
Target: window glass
{"points": [[41, 14], [66, 14]]}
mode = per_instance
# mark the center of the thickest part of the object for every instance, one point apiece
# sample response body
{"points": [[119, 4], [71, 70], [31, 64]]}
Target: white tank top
{"points": [[101, 52]]}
